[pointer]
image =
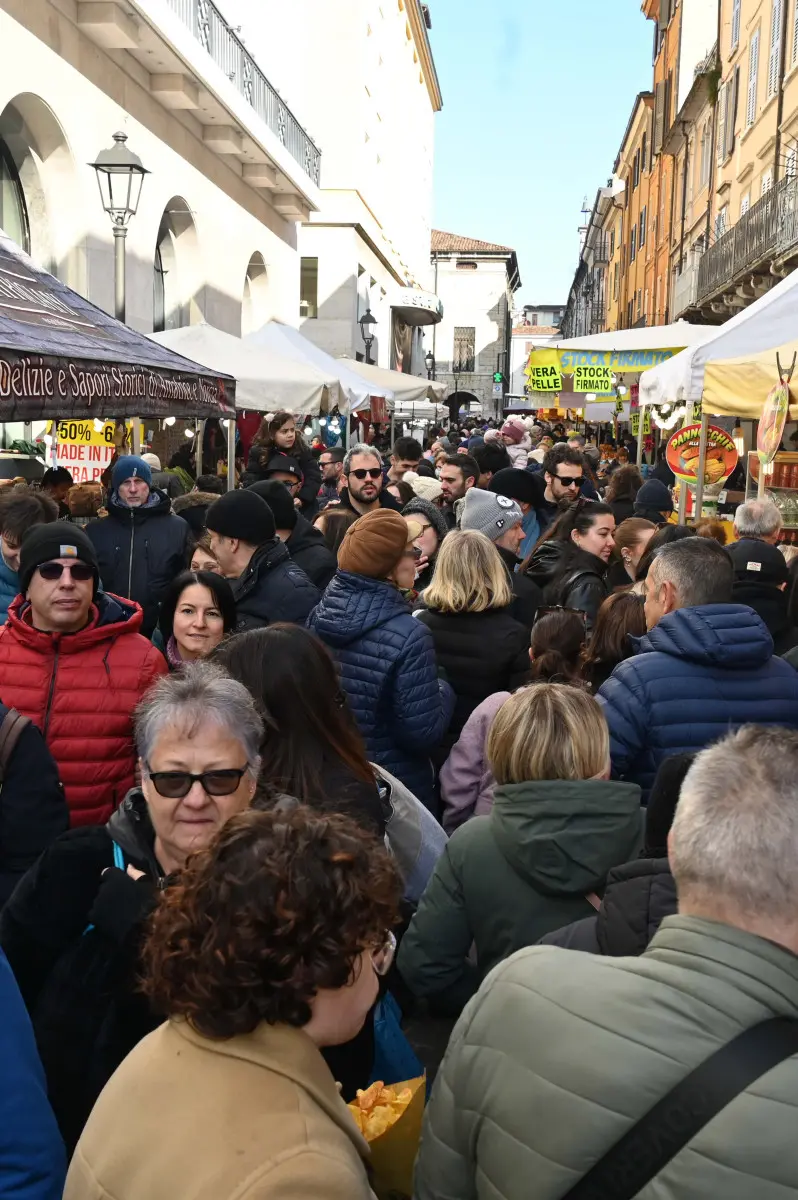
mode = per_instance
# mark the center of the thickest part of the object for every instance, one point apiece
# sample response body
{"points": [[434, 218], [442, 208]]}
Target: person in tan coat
{"points": [[267, 950]]}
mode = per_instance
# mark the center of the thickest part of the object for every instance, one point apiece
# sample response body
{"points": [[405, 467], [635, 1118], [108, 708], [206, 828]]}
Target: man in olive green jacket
{"points": [[561, 1053]]}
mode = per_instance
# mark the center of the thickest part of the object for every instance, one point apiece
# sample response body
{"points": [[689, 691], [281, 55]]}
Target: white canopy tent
{"points": [[284, 339], [406, 389], [620, 341], [766, 325], [265, 379]]}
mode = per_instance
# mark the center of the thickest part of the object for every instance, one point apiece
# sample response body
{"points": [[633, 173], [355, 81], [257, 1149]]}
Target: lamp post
{"points": [[120, 177], [429, 363], [366, 322]]}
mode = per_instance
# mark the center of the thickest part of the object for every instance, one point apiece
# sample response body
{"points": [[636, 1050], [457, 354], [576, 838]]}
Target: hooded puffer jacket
{"points": [[140, 551], [308, 550], [697, 675], [389, 673], [637, 899], [81, 689], [507, 879]]}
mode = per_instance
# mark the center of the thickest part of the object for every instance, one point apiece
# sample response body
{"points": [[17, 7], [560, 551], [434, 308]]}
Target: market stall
{"points": [[406, 389], [62, 357]]}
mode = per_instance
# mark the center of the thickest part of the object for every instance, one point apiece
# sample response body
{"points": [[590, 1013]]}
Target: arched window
{"points": [[13, 211], [158, 293]]}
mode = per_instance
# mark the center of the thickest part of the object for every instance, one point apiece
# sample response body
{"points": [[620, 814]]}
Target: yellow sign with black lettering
{"points": [[545, 379], [635, 423], [592, 379]]}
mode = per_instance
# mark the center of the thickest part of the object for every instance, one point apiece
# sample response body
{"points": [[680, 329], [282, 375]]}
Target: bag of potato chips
{"points": [[390, 1120]]}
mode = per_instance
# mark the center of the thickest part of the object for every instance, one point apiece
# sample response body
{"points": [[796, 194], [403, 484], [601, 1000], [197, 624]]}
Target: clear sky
{"points": [[535, 102]]}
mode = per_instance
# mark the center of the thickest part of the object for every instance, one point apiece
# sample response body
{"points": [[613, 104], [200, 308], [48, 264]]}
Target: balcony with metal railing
{"points": [[210, 29], [685, 289], [767, 233]]}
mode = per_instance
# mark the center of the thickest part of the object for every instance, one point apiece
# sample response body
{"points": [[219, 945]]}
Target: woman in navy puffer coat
{"points": [[386, 656]]}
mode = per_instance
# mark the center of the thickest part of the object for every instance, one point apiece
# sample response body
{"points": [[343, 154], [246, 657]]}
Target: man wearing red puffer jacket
{"points": [[75, 662]]}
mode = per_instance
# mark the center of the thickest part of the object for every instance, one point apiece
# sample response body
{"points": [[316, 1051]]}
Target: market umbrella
{"points": [[61, 356], [357, 391], [265, 379]]}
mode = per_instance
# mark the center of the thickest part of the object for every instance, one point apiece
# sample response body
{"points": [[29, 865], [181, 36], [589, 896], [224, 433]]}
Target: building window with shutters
{"points": [[774, 59], [721, 221], [643, 152], [791, 165], [633, 244], [642, 238], [636, 170], [745, 204], [735, 25], [706, 153], [753, 79], [464, 342], [722, 122], [767, 181]]}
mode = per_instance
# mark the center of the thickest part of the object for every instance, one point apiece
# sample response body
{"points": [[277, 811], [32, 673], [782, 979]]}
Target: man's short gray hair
{"points": [[757, 519], [734, 839], [199, 694], [360, 448], [700, 570], [578, 439]]}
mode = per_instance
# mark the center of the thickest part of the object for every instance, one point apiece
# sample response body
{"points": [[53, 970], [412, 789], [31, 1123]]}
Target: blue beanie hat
{"points": [[130, 466]]}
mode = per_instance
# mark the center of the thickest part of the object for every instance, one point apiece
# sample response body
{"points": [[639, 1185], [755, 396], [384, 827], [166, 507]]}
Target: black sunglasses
{"points": [[175, 785], [363, 472], [81, 572], [575, 482]]}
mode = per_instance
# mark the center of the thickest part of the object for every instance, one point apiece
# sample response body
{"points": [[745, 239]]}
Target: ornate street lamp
{"points": [[120, 177], [429, 363], [366, 322]]}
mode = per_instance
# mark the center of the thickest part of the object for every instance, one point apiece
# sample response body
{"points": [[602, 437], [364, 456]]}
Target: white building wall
{"points": [[65, 96], [699, 32], [481, 299], [352, 74]]}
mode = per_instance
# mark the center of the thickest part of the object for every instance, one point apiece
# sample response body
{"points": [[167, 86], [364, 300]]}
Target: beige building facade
{"points": [[232, 172]]}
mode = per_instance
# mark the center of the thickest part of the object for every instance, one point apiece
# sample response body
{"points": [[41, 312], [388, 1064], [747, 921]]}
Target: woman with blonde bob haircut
{"points": [[480, 646], [558, 825]]}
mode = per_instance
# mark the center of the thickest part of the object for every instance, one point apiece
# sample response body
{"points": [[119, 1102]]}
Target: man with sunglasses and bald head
{"points": [[364, 488], [72, 659]]}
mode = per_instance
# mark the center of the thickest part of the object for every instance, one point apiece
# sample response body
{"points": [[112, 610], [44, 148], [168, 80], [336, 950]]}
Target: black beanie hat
{"points": [[242, 515], [44, 543], [279, 500]]}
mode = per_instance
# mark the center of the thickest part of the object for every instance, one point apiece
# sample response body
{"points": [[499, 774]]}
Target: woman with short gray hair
{"points": [[73, 927]]}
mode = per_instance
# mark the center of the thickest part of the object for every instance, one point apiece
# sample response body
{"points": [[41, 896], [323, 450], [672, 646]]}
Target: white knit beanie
{"points": [[424, 486]]}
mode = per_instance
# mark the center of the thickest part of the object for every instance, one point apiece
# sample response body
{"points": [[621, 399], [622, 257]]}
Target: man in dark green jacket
{"points": [[561, 1053]]}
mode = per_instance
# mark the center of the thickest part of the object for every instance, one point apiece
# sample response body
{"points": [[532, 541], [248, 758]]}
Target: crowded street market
{"points": [[398, 682]]}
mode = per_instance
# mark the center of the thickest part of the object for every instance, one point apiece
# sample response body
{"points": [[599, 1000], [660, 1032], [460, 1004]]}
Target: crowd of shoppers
{"points": [[477, 699]]}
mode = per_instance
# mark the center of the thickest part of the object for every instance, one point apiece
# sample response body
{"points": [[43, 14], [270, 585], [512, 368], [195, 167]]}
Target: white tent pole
{"points": [[702, 464], [199, 434], [231, 453]]}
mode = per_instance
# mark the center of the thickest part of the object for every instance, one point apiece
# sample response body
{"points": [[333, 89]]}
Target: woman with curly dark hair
{"points": [[268, 949], [279, 435]]}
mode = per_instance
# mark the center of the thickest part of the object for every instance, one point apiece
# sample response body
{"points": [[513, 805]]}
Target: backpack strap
{"points": [[673, 1122], [11, 730]]}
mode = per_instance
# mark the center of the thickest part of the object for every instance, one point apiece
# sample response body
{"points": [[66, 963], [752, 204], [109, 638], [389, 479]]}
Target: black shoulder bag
{"points": [[675, 1120]]}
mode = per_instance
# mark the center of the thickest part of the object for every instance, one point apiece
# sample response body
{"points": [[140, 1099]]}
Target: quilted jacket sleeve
{"points": [[433, 955], [627, 717], [422, 703], [444, 1167], [33, 810]]}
